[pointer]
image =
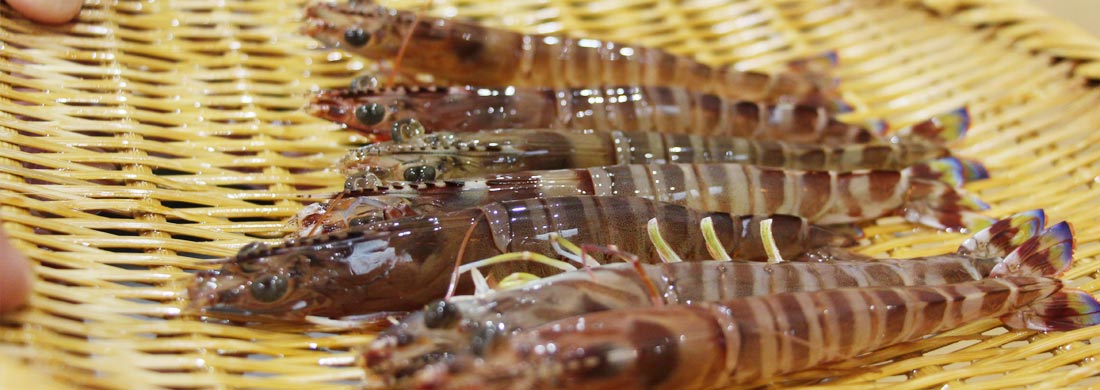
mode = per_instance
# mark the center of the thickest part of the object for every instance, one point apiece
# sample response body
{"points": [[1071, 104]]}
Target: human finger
{"points": [[49, 11], [15, 277]]}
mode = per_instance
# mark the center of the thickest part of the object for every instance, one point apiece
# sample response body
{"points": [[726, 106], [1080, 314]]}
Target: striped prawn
{"points": [[420, 157], [822, 197], [754, 339], [403, 264], [461, 52], [634, 108], [448, 327]]}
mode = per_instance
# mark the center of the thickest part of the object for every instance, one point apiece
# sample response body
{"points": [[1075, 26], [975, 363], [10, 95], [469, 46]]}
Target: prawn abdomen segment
{"points": [[643, 352]]}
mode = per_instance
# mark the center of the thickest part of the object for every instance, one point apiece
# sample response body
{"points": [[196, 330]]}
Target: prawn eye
{"points": [[251, 249], [361, 180], [370, 114], [269, 288], [406, 129], [440, 315], [404, 339], [483, 340], [364, 83], [420, 173], [249, 266], [355, 36]]}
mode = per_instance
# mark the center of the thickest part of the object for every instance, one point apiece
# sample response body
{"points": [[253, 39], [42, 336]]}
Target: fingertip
{"points": [[15, 277], [48, 12]]}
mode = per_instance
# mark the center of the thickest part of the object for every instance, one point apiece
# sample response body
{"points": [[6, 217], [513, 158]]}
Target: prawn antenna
{"points": [[458, 261], [518, 256], [568, 250], [328, 212], [571, 251], [405, 43], [588, 269], [562, 246], [481, 285], [654, 294]]}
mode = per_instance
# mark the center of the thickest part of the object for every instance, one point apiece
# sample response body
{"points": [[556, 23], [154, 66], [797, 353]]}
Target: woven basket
{"points": [[151, 136]]}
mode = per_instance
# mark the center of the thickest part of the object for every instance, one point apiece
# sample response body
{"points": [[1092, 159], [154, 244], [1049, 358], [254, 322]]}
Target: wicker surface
{"points": [[152, 135]]}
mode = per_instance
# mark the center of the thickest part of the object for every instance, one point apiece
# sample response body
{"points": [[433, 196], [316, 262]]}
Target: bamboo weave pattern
{"points": [[152, 135]]}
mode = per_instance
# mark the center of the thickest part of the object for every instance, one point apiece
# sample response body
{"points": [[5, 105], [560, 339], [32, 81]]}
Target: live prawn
{"points": [[420, 157], [670, 110], [821, 197], [402, 264], [449, 326], [462, 52], [747, 340]]}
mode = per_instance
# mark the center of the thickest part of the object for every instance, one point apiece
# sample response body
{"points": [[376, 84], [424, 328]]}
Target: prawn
{"points": [[418, 157], [747, 340], [447, 327], [671, 110], [462, 52], [821, 197], [402, 264]]}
